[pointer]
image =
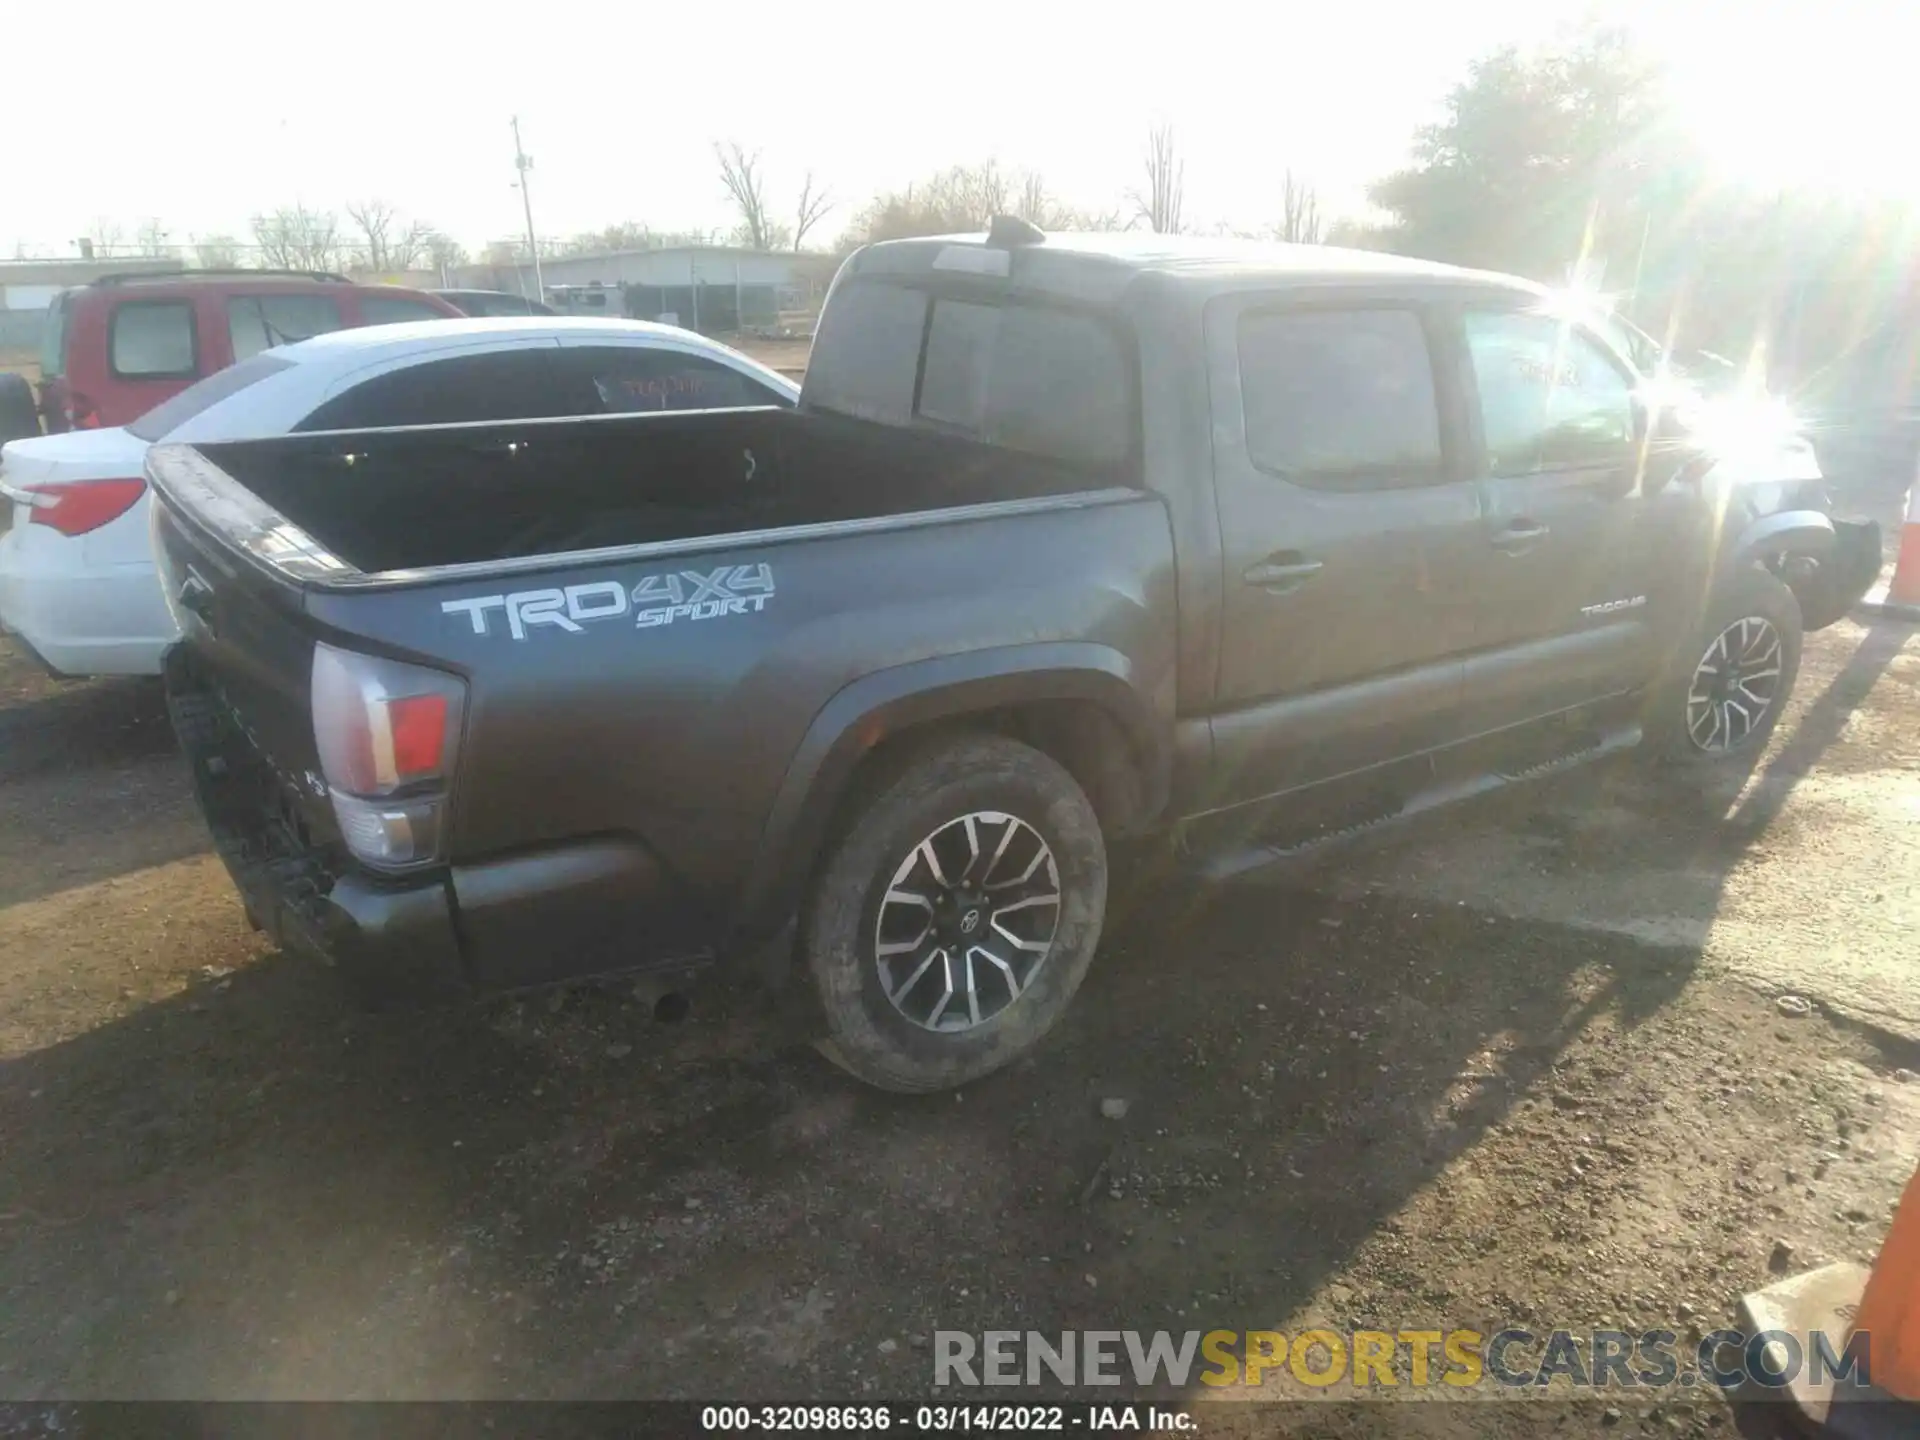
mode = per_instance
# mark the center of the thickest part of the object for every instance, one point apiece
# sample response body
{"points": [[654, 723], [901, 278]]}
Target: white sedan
{"points": [[77, 583]]}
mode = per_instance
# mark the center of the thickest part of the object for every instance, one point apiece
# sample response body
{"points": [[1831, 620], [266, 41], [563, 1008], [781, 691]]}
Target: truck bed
{"points": [[390, 500], [672, 630]]}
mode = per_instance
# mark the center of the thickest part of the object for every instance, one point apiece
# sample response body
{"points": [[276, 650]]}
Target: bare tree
{"points": [[299, 239], [104, 237], [740, 173], [1034, 203], [1040, 205], [1300, 222], [445, 253], [216, 252], [957, 200], [150, 240], [391, 244], [813, 207], [1159, 204]]}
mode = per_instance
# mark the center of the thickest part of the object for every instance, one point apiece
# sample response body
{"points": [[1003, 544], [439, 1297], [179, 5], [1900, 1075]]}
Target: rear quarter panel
{"points": [[682, 730]]}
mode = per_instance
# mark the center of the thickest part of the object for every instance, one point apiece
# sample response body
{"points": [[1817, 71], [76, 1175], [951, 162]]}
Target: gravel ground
{"points": [[1464, 1079]]}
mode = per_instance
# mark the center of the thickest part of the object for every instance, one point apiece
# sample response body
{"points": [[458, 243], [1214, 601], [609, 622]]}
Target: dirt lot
{"points": [[1522, 1065]]}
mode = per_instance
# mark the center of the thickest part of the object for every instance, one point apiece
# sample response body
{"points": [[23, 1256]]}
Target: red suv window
{"points": [[260, 322], [152, 340]]}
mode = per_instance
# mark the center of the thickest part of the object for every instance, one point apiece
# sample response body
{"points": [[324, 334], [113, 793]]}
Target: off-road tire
{"points": [[912, 798], [1749, 592]]}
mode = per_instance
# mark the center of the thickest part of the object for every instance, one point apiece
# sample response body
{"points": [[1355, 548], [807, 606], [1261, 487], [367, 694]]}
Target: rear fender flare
{"points": [[876, 706]]}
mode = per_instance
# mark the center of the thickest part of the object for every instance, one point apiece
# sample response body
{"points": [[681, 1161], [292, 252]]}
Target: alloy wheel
{"points": [[967, 921], [1735, 685]]}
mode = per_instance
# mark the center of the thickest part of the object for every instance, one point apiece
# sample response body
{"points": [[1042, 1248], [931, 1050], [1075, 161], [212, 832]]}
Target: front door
{"points": [[1583, 543], [1348, 528]]}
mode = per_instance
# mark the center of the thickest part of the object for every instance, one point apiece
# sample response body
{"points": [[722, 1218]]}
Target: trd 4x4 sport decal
{"points": [[653, 600]]}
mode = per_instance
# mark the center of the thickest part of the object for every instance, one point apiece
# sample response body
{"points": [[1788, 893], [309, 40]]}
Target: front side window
{"points": [[1340, 398], [1549, 396], [260, 322], [152, 340]]}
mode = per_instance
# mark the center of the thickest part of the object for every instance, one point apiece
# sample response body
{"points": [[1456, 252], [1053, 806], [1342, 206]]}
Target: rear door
{"points": [[1348, 529], [1582, 552]]}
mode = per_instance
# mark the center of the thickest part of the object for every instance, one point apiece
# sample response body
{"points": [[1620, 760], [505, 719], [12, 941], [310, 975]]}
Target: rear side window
{"points": [[524, 384], [260, 322], [169, 415], [394, 310], [1341, 398], [152, 340], [53, 338], [632, 379]]}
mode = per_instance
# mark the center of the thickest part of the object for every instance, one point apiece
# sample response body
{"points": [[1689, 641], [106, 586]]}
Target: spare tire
{"points": [[19, 416]]}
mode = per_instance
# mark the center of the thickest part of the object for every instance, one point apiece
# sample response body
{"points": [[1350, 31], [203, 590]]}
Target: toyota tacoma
{"points": [[1071, 541]]}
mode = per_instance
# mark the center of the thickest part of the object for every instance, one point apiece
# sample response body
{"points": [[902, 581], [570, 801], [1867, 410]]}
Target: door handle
{"points": [[1519, 536], [1280, 576]]}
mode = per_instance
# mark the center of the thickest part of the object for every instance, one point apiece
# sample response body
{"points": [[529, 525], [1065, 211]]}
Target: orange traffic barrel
{"points": [[1889, 1313]]}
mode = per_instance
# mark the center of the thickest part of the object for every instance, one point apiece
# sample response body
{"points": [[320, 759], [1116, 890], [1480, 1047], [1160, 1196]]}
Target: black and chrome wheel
{"points": [[967, 921], [954, 919], [1728, 685], [1735, 684]]}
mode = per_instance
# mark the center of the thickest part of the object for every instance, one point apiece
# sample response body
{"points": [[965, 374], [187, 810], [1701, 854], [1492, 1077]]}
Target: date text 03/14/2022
{"points": [[938, 1419]]}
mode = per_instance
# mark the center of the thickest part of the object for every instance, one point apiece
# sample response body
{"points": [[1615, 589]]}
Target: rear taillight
{"points": [[83, 505], [388, 734]]}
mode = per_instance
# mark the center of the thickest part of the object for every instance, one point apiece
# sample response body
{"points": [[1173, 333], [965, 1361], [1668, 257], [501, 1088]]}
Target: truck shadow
{"points": [[91, 784], [49, 724], [245, 1190]]}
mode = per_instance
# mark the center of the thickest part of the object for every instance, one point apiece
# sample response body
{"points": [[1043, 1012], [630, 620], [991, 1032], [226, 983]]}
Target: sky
{"points": [[203, 113]]}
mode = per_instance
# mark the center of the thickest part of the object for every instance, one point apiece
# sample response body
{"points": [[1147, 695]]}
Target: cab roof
{"points": [[1099, 266]]}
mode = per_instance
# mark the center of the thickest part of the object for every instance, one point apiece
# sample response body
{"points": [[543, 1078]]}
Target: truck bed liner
{"points": [[391, 500]]}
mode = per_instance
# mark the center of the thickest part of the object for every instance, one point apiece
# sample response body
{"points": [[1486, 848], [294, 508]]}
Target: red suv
{"points": [[116, 348]]}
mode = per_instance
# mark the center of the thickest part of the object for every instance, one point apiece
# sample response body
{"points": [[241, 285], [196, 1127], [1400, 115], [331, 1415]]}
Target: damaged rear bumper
{"points": [[392, 942]]}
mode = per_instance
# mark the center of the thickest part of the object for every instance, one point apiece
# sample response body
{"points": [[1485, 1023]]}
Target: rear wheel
{"points": [[957, 915], [1729, 685]]}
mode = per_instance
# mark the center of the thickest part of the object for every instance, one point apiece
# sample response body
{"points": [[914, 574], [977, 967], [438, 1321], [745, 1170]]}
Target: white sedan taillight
{"points": [[388, 734]]}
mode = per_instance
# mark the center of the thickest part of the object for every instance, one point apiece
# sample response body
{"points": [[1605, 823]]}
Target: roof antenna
{"points": [[1007, 231]]}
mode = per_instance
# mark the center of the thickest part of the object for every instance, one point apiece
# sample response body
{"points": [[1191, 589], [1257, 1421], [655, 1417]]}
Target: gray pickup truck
{"points": [[1070, 540]]}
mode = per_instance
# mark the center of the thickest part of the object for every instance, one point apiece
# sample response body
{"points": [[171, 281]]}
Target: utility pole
{"points": [[523, 162]]}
